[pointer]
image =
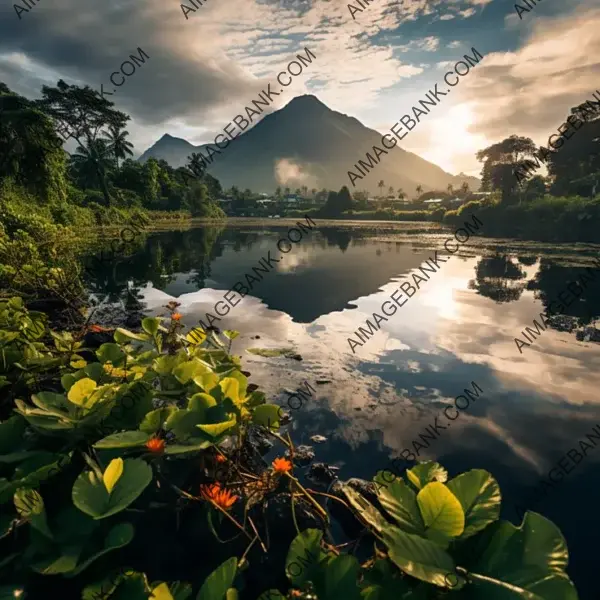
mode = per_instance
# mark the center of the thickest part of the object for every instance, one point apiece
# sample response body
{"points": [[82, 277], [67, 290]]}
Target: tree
{"points": [[401, 194], [197, 199], [90, 163], [298, 192], [196, 164], [535, 188], [304, 191], [331, 207], [313, 192], [361, 198], [380, 185], [151, 186], [450, 189], [85, 114], [419, 190], [464, 188], [390, 191], [344, 199], [500, 162], [30, 150], [287, 191], [117, 144], [278, 193], [574, 168]]}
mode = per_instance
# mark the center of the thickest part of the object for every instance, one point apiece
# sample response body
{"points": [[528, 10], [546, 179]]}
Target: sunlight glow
{"points": [[450, 140]]}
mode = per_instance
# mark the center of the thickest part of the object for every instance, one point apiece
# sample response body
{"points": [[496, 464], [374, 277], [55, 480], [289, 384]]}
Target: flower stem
{"points": [[310, 498]]}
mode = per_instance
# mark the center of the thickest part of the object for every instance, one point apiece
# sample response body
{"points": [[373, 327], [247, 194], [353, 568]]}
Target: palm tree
{"points": [[196, 164], [287, 191], [91, 163], [380, 185], [464, 188], [117, 144], [278, 192], [304, 191], [391, 191], [419, 190], [450, 189], [401, 194]]}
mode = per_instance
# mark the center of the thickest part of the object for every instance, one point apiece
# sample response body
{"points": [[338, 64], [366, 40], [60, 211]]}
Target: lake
{"points": [[538, 400]]}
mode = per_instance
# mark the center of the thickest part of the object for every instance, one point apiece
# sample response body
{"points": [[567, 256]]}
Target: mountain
{"points": [[307, 143]]}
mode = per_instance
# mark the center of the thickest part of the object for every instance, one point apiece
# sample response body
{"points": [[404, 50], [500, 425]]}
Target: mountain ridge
{"points": [[282, 150]]}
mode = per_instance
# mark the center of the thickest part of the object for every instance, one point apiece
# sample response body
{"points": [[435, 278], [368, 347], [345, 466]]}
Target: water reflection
{"points": [[458, 328]]}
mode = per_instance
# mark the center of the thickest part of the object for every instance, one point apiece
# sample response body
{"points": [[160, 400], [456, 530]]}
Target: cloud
{"points": [[204, 69], [290, 173], [531, 91]]}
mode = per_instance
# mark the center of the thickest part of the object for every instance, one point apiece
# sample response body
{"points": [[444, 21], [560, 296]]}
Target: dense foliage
{"points": [[48, 198], [105, 453]]}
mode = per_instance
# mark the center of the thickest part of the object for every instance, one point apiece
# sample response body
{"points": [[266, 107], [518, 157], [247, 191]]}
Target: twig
{"points": [[294, 511], [215, 505], [258, 536], [328, 496]]}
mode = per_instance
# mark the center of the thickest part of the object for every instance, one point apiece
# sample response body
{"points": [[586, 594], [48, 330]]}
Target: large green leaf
{"points": [[418, 557], [529, 560], [30, 506], [215, 586], [304, 556], [62, 563], [201, 402], [118, 537], [122, 336], [81, 391], [442, 512], [156, 419], [112, 474], [165, 364], [216, 429], [207, 381], [365, 509], [423, 473], [110, 353], [161, 592], [11, 432], [125, 439], [479, 494], [267, 415], [190, 369], [91, 496], [231, 388], [192, 446], [183, 423], [400, 501], [341, 579], [150, 325]]}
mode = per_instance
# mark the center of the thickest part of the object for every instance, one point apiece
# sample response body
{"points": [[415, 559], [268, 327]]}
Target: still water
{"points": [[458, 328]]}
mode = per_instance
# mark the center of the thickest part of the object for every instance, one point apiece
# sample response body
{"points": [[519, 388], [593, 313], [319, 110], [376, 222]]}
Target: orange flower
{"points": [[220, 497], [282, 465], [220, 458], [155, 445], [176, 316]]}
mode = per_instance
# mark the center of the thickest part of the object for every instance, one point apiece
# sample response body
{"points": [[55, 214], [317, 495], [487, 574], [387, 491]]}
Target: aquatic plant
{"points": [[139, 427]]}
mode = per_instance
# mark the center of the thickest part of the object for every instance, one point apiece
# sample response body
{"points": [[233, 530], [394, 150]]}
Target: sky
{"points": [[372, 64]]}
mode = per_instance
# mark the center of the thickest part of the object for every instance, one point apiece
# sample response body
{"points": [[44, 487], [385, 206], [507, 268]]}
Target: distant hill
{"points": [[307, 143]]}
